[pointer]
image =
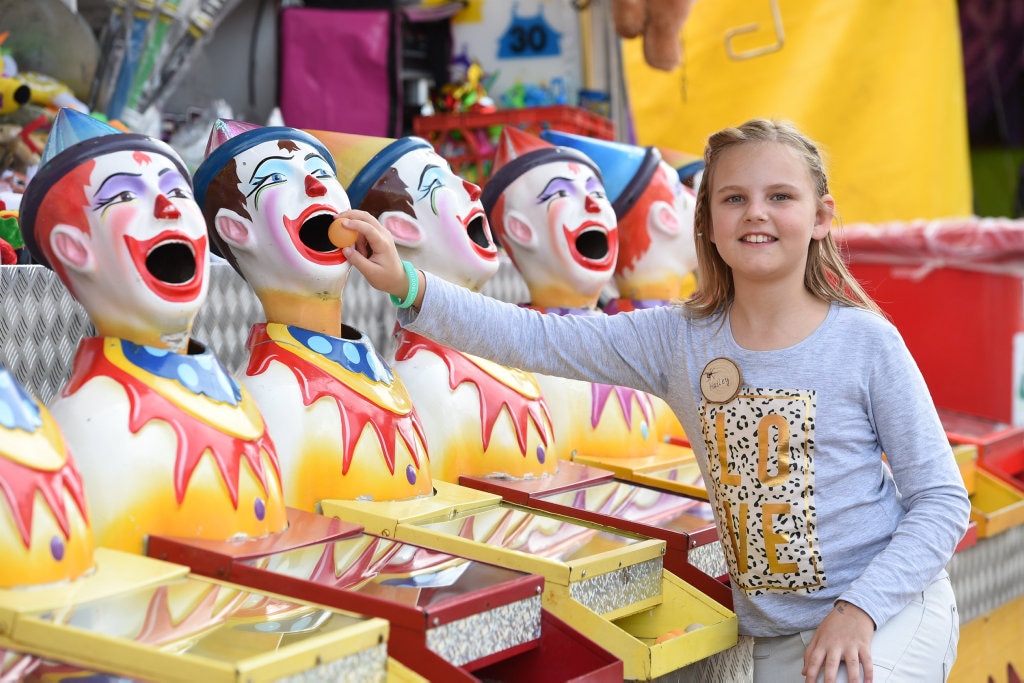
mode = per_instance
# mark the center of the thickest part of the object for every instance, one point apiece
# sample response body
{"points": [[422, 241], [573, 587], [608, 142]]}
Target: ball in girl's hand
{"points": [[340, 235]]}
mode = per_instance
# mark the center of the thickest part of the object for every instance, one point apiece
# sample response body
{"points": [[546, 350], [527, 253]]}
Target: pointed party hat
{"points": [[71, 127], [627, 169], [686, 165], [230, 138], [75, 138], [517, 153], [363, 159]]}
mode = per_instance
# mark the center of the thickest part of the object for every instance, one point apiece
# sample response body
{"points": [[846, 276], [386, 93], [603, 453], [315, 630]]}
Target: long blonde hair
{"points": [[825, 276]]}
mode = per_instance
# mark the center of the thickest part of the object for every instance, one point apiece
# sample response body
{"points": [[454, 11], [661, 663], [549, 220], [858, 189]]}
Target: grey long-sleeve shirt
{"points": [[807, 508]]}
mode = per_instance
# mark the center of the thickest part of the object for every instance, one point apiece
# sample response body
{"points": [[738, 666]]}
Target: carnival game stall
{"points": [[252, 481], [954, 289]]}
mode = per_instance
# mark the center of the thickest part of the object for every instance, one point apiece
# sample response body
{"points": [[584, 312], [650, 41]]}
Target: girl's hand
{"points": [[843, 636], [374, 253]]}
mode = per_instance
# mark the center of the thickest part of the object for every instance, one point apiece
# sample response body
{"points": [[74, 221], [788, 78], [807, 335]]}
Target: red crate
{"points": [[468, 141]]}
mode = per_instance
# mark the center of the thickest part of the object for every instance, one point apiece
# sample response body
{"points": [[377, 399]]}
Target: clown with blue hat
{"points": [[159, 427], [342, 420], [655, 213]]}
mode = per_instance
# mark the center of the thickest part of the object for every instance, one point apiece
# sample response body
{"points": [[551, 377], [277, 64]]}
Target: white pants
{"points": [[918, 645]]}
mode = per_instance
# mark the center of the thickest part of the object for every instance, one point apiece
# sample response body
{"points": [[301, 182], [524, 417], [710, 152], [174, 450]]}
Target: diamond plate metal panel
{"points": [[487, 633], [230, 309], [988, 574], [40, 326], [366, 666], [620, 588]]}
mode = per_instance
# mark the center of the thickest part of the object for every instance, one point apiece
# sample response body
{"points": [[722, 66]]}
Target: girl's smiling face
{"points": [[765, 212]]}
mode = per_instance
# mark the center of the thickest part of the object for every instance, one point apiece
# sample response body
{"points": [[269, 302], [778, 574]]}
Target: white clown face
{"points": [[562, 233], [291, 195], [141, 269], [450, 235]]}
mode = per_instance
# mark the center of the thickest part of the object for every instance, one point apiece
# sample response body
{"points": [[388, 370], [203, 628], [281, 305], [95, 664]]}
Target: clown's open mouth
{"points": [[172, 262], [592, 244], [478, 232], [171, 265], [313, 233]]}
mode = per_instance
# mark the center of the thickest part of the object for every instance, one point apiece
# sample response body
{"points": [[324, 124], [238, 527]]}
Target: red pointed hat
{"points": [[517, 153]]}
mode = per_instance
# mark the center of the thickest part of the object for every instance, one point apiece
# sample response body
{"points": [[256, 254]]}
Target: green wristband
{"points": [[414, 287]]}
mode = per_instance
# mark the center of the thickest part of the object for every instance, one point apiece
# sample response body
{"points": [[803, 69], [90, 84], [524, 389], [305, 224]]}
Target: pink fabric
{"points": [[338, 70], [993, 245]]}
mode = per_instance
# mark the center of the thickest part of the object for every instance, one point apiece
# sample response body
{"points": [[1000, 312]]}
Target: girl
{"points": [[792, 386]]}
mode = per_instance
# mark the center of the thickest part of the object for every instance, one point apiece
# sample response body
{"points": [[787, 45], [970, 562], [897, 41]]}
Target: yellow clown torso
{"points": [[344, 425], [481, 419], [168, 444], [44, 524], [596, 419]]}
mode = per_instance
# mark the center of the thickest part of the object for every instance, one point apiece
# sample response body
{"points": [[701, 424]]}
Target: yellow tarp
{"points": [[878, 83]]}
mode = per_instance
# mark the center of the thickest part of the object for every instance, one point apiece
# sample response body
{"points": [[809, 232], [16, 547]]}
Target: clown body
{"points": [[44, 533], [167, 442], [654, 210], [45, 537], [343, 423], [177, 448], [550, 210], [479, 418], [340, 413]]}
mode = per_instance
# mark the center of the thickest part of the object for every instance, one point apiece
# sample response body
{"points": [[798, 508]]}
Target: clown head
{"points": [[435, 216], [269, 196], [655, 216], [548, 208], [113, 214]]}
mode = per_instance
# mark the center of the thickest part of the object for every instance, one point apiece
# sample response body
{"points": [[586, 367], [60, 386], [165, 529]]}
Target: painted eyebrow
{"points": [[265, 160], [555, 184], [428, 169], [112, 176], [163, 178], [593, 184]]}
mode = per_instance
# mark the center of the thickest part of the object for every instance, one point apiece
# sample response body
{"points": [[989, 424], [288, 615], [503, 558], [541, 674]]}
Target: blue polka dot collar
{"points": [[355, 355], [200, 373]]}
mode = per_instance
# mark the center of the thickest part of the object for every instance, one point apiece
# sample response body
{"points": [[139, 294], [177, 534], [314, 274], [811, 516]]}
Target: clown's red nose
{"points": [[165, 208], [314, 188], [473, 190]]}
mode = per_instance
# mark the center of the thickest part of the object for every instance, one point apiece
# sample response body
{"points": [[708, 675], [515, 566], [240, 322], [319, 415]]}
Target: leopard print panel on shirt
{"points": [[761, 456]]}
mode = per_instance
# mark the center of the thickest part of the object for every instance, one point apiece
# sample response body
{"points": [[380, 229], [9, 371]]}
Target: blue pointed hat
{"points": [[626, 169], [75, 138]]}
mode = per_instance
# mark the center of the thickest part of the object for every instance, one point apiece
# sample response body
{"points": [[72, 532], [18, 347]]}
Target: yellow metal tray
{"points": [[628, 633], [674, 469], [699, 627], [140, 617], [996, 505], [967, 460]]}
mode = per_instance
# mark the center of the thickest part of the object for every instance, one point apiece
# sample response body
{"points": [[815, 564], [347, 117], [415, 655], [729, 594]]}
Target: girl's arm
{"points": [[625, 349]]}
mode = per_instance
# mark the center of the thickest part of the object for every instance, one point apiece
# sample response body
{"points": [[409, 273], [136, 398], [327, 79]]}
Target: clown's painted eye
{"points": [[119, 198], [430, 187], [321, 173], [265, 180]]}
